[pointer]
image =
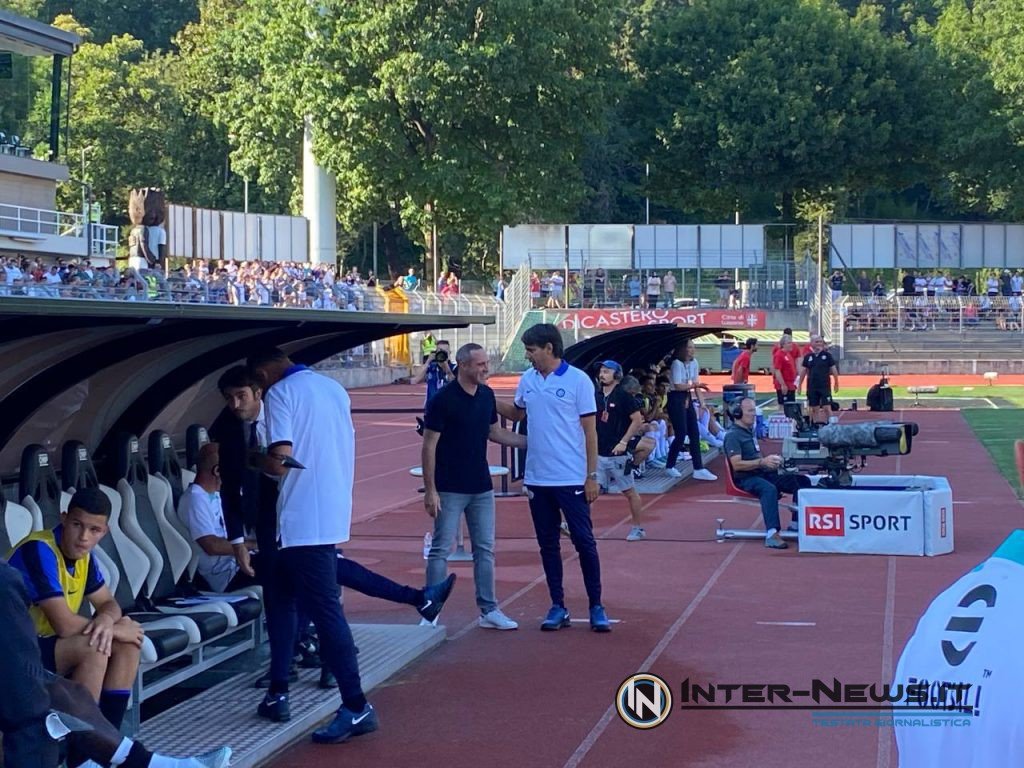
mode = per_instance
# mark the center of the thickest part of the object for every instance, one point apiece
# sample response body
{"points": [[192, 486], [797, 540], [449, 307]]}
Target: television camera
{"points": [[839, 450]]}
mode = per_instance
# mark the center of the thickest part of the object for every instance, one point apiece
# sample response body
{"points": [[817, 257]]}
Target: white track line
{"points": [[885, 735], [599, 728]]}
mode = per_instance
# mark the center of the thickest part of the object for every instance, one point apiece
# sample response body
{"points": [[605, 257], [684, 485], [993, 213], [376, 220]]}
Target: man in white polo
{"points": [[561, 466], [309, 421]]}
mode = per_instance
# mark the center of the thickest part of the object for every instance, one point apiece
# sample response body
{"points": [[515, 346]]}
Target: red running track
{"points": [[688, 608]]}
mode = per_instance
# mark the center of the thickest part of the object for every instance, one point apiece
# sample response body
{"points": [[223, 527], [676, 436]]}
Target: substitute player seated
{"points": [[102, 652]]}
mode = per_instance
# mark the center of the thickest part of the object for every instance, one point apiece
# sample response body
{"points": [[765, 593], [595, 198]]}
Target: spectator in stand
{"points": [[741, 365], [723, 284], [835, 283], [863, 284], [878, 289], [909, 283], [600, 284], [534, 290], [633, 286], [668, 289], [556, 289], [784, 370], [653, 292]]}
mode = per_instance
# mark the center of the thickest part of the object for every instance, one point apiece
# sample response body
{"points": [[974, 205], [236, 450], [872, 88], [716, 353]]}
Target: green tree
{"points": [[790, 96], [463, 114], [980, 50]]}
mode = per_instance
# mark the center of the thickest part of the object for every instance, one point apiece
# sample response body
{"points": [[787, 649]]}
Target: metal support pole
{"points": [[375, 273], [821, 256], [55, 84], [747, 534]]}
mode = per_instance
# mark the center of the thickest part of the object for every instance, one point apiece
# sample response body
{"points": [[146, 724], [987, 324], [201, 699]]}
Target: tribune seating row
{"points": [[148, 559]]}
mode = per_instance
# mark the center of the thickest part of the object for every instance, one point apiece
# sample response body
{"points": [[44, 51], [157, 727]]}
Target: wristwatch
{"points": [[592, 476]]}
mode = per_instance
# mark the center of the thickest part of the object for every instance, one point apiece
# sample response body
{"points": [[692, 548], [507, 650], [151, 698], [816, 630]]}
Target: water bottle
{"points": [[428, 541]]}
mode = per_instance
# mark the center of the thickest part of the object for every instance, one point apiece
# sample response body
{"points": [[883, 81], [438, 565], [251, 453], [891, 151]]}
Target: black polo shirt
{"points": [[818, 365], [740, 441], [464, 421], [613, 417]]}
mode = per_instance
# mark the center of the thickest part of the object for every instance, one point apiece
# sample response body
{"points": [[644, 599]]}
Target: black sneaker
{"points": [[308, 655], [264, 682], [347, 724], [434, 598], [327, 680], [275, 707]]}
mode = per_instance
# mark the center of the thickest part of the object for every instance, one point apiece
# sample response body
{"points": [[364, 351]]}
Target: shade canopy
{"points": [[88, 370]]}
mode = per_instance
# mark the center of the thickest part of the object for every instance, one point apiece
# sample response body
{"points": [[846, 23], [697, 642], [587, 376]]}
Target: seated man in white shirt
{"points": [[200, 508]]}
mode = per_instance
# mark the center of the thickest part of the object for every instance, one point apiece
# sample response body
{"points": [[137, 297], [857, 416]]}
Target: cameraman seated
{"points": [[759, 474], [437, 371], [101, 653]]}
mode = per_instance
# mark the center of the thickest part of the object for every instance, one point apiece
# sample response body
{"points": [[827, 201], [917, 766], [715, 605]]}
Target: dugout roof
{"points": [[633, 347], [90, 369]]}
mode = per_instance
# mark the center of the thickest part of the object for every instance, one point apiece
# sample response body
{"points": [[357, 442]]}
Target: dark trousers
{"points": [[360, 578], [306, 578], [25, 701], [684, 424], [767, 488], [547, 505]]}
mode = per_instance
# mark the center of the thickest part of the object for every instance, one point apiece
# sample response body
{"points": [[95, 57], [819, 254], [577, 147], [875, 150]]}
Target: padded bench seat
{"points": [[167, 642]]}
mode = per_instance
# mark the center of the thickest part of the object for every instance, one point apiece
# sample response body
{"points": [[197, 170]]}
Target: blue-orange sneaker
{"points": [[347, 724], [557, 618], [599, 620]]}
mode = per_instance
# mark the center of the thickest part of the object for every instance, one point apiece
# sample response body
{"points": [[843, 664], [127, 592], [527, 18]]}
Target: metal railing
{"points": [[38, 221], [960, 314]]}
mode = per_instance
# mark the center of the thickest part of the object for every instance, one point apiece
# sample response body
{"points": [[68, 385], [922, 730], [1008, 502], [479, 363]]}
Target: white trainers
{"points": [[497, 620], [636, 534], [673, 472], [703, 474], [425, 623]]}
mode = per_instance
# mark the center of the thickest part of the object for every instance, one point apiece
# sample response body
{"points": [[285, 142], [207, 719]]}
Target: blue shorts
{"points": [[48, 652]]}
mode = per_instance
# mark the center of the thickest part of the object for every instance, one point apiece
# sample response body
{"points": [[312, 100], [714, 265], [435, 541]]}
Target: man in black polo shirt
{"points": [[619, 419], [759, 474], [818, 367], [458, 421]]}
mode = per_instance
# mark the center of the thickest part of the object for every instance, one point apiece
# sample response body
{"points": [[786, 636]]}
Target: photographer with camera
{"points": [[438, 371]]}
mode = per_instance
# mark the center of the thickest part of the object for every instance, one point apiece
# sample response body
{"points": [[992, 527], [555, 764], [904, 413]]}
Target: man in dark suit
{"points": [[249, 500]]}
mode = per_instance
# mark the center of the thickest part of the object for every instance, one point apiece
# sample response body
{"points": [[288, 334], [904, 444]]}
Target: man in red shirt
{"points": [[741, 365], [784, 370]]}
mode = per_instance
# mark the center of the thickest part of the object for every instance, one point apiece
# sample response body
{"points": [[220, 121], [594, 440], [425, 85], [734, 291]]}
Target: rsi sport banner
{"points": [[614, 319], [916, 519]]}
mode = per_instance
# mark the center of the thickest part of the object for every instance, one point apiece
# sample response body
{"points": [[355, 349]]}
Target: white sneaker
{"points": [[425, 623], [686, 456], [636, 534], [497, 620], [673, 472], [703, 474]]}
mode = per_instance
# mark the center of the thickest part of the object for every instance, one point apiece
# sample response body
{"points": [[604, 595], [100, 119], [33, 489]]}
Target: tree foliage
{"points": [[735, 96], [463, 114]]}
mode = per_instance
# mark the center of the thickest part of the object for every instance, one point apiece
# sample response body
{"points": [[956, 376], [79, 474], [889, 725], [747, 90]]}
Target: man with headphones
{"points": [[619, 419], [759, 474]]}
